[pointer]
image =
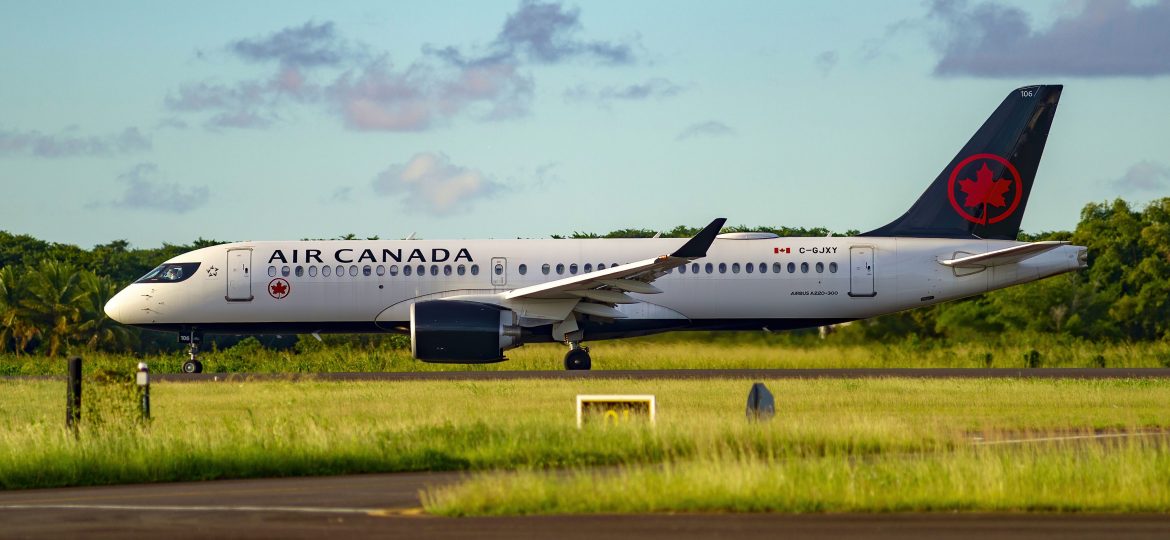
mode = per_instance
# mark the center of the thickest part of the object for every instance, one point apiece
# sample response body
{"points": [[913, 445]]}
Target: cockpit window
{"points": [[170, 273]]}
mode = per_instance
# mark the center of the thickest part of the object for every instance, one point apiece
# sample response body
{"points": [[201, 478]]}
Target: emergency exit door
{"points": [[499, 271], [239, 275], [861, 271]]}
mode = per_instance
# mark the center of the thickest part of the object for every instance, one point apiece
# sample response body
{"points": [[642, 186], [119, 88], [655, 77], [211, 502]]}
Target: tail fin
{"points": [[983, 191]]}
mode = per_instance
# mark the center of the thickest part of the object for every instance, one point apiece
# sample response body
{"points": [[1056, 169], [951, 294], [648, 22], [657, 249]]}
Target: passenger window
{"points": [[381, 270], [791, 268], [420, 270], [833, 267], [820, 267], [695, 268], [804, 268], [394, 269], [312, 271], [367, 270], [749, 267], [682, 269], [588, 267], [461, 270], [271, 271], [300, 271], [523, 269], [560, 268], [544, 268], [600, 266], [434, 269], [326, 270], [339, 271], [446, 269], [573, 268], [710, 268], [353, 270], [735, 268], [775, 268], [499, 269], [285, 271], [722, 268], [406, 270], [475, 269]]}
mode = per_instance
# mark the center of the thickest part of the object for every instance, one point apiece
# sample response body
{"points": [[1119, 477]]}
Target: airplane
{"points": [[469, 301]]}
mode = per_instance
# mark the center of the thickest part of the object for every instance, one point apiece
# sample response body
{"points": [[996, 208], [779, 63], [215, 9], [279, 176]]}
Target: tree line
{"points": [[52, 295]]}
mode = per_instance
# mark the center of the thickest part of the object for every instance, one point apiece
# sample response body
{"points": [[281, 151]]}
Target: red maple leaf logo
{"points": [[984, 189], [279, 289]]}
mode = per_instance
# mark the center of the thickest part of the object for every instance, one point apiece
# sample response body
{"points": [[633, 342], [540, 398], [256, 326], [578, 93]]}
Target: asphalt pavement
{"points": [[387, 506]]}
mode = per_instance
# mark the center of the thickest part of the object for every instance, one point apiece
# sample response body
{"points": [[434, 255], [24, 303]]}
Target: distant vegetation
{"points": [[51, 295]]}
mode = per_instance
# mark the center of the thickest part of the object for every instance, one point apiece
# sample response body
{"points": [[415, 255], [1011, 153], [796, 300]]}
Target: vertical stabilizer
{"points": [[983, 191]]}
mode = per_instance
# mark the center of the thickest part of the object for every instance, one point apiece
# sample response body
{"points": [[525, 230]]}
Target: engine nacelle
{"points": [[461, 332]]}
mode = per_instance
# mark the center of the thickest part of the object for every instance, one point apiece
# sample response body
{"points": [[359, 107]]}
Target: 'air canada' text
{"points": [[348, 255]]}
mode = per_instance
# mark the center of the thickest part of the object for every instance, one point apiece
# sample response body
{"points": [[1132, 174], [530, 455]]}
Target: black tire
{"points": [[578, 360], [192, 366]]}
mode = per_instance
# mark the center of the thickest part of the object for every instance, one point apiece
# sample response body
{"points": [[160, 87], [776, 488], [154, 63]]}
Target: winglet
{"points": [[697, 246]]}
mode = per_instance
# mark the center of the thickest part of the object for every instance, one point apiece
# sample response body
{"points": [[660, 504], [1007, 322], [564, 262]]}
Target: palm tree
{"points": [[55, 296], [16, 324], [97, 330]]}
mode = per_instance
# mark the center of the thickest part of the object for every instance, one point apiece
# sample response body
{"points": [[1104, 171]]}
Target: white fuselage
{"points": [[284, 287]]}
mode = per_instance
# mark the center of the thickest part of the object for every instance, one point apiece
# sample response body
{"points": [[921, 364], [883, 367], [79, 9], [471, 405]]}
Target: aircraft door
{"points": [[861, 271], [499, 271], [239, 275]]}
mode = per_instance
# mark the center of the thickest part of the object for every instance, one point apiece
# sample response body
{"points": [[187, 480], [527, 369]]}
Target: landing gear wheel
{"points": [[192, 366], [578, 359]]}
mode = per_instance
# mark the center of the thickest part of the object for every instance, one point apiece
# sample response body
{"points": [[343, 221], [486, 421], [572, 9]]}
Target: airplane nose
{"points": [[115, 306]]}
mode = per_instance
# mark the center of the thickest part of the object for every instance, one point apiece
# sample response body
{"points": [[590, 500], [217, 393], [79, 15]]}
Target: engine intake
{"points": [[459, 331]]}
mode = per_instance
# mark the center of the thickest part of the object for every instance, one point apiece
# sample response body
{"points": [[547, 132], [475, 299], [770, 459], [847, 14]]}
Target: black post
{"points": [[73, 395]]}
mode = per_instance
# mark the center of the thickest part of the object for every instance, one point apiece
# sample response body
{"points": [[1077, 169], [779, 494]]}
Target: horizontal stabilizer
{"points": [[1004, 256]]}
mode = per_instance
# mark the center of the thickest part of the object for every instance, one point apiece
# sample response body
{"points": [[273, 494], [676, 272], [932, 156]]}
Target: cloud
{"points": [[429, 182], [64, 145], [710, 128], [656, 88], [1144, 176], [316, 66], [308, 45], [340, 195], [545, 33], [145, 192], [1101, 38], [380, 98], [826, 61]]}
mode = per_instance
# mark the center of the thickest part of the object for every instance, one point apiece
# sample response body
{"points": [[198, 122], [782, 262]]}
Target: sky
{"points": [[165, 122]]}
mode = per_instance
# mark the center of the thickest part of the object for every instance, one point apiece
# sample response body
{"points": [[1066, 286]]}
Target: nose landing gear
{"points": [[192, 338]]}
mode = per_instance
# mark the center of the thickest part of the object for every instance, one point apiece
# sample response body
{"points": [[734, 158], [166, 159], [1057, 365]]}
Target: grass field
{"points": [[835, 445], [671, 351]]}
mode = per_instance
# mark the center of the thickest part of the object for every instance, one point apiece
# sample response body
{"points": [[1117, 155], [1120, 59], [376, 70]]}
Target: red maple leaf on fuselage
{"points": [[279, 288], [984, 189]]}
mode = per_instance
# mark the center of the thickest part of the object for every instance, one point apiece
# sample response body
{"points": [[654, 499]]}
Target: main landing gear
{"points": [[192, 365], [578, 357]]}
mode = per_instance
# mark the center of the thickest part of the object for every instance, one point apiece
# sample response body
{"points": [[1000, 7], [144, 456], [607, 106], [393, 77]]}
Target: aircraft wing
{"points": [[1004, 256], [610, 285]]}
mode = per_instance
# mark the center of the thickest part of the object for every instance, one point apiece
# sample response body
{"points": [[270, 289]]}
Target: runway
{"points": [[684, 374], [387, 505]]}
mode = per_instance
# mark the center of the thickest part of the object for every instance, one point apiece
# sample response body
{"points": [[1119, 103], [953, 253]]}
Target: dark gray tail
{"points": [[983, 191]]}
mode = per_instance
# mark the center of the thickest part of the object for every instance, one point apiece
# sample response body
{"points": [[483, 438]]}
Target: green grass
{"points": [[671, 351], [835, 445], [1130, 477]]}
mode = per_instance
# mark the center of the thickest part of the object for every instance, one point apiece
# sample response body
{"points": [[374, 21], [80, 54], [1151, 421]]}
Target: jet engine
{"points": [[459, 331]]}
